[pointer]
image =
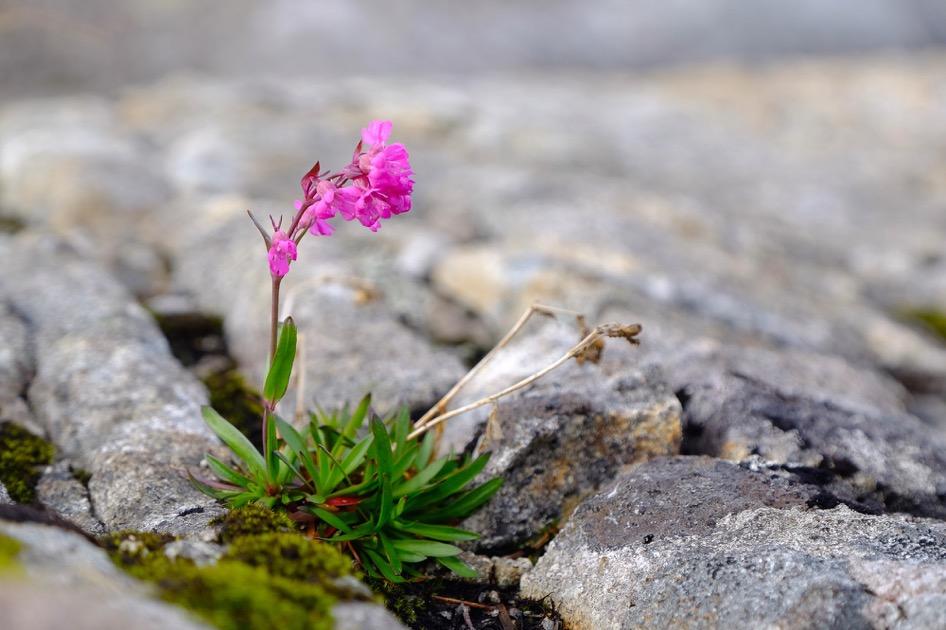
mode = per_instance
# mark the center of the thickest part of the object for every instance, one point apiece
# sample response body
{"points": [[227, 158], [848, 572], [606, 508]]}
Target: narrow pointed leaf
{"points": [[277, 380], [436, 532], [331, 519], [419, 480], [226, 473], [237, 442], [458, 566], [427, 548], [467, 502]]}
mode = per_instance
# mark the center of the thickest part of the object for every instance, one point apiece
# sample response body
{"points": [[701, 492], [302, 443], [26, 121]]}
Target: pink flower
{"points": [[282, 250], [321, 207], [381, 179]]}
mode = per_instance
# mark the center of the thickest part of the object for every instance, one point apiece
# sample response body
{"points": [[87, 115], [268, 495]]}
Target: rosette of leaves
{"points": [[353, 479]]}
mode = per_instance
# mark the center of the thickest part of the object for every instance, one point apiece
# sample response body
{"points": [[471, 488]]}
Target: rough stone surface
{"points": [[358, 615], [107, 390], [566, 435], [60, 491], [692, 542], [816, 412], [69, 581]]}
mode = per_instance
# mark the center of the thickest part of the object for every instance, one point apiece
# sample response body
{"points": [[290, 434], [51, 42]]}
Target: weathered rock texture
{"points": [[69, 582], [106, 388], [692, 542], [559, 440], [813, 411]]}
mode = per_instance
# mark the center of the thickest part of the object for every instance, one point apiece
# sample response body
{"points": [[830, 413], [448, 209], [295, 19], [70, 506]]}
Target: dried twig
{"points": [[628, 332], [541, 309], [462, 602]]}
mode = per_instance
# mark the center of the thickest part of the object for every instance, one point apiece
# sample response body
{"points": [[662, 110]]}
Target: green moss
{"points": [[21, 455], [131, 549], [9, 550], [236, 401], [273, 580], [250, 520], [82, 476], [932, 319], [290, 556]]}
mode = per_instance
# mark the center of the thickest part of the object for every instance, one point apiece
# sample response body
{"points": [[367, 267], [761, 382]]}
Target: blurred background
{"points": [[766, 173]]}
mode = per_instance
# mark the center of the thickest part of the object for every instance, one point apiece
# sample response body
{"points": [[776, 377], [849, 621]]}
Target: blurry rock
{"points": [[107, 390], [202, 553], [70, 167], [4, 496], [63, 494], [71, 582], [499, 570], [817, 412], [560, 439], [689, 542], [358, 615]]}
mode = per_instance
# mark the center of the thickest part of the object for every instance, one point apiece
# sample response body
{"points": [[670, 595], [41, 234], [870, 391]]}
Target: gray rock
{"points": [[4, 496], [692, 542], [359, 615], [60, 491], [107, 390], [566, 435], [69, 581], [499, 570], [816, 412], [201, 552]]}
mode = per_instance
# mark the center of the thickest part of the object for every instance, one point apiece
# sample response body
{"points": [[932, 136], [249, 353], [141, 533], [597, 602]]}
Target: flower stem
{"points": [[273, 331]]}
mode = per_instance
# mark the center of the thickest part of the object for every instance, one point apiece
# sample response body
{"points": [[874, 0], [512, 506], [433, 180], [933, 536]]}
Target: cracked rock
{"points": [[693, 542]]}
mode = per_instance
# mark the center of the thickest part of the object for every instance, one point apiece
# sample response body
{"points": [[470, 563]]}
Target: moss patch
{"points": [[21, 455], [933, 320], [236, 401], [250, 520], [270, 580], [9, 550], [289, 556]]}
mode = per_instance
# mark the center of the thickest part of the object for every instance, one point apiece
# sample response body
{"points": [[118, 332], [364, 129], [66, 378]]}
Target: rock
{"points": [[77, 172], [358, 615], [499, 570], [353, 339], [107, 390], [70, 581], [201, 552], [564, 436], [691, 542], [63, 494], [5, 496], [817, 412]]}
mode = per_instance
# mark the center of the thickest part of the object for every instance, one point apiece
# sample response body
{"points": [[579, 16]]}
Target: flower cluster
{"points": [[376, 184]]}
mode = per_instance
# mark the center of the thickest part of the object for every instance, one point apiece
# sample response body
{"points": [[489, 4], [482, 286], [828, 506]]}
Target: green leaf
{"points": [[450, 484], [426, 450], [216, 493], [382, 446], [297, 444], [352, 461], [386, 569], [458, 566], [363, 530], [402, 426], [427, 548], [436, 532], [468, 501], [277, 380], [237, 442], [390, 552], [410, 557], [331, 519], [422, 478], [226, 473], [292, 467], [357, 418], [386, 505]]}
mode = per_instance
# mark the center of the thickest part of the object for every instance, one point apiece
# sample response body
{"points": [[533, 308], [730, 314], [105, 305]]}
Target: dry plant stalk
{"points": [[588, 349]]}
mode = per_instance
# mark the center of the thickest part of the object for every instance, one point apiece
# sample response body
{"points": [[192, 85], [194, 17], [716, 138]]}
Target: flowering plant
{"points": [[379, 492]]}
